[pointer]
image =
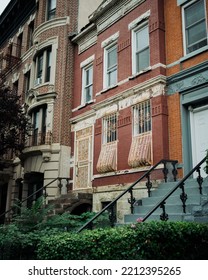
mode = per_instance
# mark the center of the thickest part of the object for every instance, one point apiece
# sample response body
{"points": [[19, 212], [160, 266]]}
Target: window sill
{"points": [[194, 53], [83, 105], [106, 89], [41, 85], [140, 73]]}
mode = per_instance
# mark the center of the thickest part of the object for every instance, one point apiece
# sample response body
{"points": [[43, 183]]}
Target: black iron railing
{"points": [[169, 171], [183, 195], [44, 192]]}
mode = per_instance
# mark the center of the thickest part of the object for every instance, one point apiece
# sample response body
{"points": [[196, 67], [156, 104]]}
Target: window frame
{"points": [[43, 66], [85, 85], [51, 11], [146, 106], [108, 70], [105, 128], [39, 118], [135, 52], [185, 36]]}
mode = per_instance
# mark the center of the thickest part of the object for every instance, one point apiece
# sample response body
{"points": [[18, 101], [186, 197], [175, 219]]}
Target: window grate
{"points": [[142, 118], [110, 128]]}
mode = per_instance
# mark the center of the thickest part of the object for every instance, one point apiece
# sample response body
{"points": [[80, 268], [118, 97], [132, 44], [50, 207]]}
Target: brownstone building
{"points": [[36, 59]]}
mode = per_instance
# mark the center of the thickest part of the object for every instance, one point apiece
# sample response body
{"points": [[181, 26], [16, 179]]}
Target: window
{"points": [[26, 82], [142, 118], [195, 33], [43, 67], [48, 66], [110, 128], [51, 11], [141, 52], [87, 84], [110, 66], [19, 46], [39, 126], [30, 34]]}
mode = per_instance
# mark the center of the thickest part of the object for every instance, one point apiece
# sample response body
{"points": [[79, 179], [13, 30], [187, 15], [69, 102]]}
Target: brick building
{"points": [[36, 59], [119, 112], [109, 95], [187, 77]]}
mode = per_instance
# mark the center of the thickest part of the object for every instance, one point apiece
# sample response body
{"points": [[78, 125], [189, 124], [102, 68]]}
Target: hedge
{"points": [[145, 241]]}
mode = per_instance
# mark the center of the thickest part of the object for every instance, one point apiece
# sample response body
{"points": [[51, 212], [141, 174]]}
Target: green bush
{"points": [[147, 241]]}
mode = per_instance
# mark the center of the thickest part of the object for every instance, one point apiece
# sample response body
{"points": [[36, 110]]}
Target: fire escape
{"points": [[9, 60]]}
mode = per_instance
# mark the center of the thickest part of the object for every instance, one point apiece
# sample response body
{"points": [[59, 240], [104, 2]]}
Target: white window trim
{"points": [[183, 26], [41, 80], [112, 39], [105, 76], [138, 20], [84, 70], [133, 36]]}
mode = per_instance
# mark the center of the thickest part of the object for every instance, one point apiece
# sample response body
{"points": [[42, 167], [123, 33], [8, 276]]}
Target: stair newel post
{"points": [[164, 215], [174, 171], [60, 185], [112, 215], [45, 194], [131, 201], [165, 171], [183, 197], [199, 179], [148, 184]]}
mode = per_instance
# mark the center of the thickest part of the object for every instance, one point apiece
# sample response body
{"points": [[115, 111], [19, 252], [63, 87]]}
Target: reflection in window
{"points": [[195, 26]]}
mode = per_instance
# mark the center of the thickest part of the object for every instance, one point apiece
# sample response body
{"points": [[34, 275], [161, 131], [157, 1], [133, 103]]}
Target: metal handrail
{"points": [[31, 195], [179, 184], [146, 174]]}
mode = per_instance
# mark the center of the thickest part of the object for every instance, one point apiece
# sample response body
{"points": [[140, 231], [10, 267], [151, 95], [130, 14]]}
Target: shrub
{"points": [[147, 241]]}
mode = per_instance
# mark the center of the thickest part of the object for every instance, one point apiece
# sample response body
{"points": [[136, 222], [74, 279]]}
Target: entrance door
{"points": [[83, 159], [199, 135]]}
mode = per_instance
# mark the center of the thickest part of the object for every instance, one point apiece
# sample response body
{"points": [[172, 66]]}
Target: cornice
{"points": [[56, 22]]}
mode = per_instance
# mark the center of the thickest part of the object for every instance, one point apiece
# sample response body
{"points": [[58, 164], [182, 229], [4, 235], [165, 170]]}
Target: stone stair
{"points": [[196, 203]]}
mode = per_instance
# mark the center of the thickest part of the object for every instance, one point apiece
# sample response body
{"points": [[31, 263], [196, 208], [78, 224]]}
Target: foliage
{"points": [[19, 239], [14, 123], [149, 241], [56, 239]]}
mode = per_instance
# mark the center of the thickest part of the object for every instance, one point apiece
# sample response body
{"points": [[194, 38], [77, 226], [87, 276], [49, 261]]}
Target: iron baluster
{"points": [[183, 197], [131, 201], [164, 215], [174, 171], [165, 171], [112, 215], [148, 185], [60, 185], [199, 179]]}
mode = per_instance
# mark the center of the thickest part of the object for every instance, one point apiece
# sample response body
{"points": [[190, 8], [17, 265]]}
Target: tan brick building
{"points": [[36, 59]]}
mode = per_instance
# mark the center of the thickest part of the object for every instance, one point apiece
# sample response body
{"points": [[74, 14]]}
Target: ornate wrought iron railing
{"points": [[11, 210], [111, 206], [183, 195]]}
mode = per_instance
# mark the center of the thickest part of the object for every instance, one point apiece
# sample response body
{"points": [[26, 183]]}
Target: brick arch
{"points": [[84, 205]]}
